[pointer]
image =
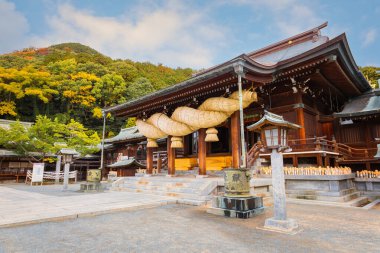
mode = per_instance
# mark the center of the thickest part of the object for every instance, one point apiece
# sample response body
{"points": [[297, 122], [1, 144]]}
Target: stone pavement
{"points": [[179, 228], [21, 204]]}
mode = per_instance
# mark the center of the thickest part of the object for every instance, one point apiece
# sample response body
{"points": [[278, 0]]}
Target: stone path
{"points": [[48, 203], [180, 228]]}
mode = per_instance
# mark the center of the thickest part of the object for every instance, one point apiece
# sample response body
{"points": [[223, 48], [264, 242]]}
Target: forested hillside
{"points": [[73, 81]]}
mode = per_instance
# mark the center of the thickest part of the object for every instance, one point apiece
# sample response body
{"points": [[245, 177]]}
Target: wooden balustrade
{"points": [[318, 144]]}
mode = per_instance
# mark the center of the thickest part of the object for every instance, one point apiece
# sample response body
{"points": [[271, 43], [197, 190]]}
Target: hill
{"points": [[71, 80]]}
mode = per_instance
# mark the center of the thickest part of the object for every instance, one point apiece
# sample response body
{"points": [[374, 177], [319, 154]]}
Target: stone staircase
{"points": [[191, 191], [337, 196]]}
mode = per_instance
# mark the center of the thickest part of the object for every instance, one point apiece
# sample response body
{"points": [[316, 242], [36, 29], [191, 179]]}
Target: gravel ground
{"points": [[179, 228]]}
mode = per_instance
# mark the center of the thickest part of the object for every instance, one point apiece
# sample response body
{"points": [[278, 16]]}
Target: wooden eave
{"points": [[214, 81]]}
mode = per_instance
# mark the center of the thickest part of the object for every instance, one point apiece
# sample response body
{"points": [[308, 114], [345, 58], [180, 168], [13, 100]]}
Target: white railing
{"points": [[53, 175]]}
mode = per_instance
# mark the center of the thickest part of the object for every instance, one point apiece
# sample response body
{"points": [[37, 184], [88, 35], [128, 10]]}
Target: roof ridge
{"points": [[298, 37]]}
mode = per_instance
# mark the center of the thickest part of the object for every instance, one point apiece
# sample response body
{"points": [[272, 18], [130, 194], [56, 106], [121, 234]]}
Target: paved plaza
{"points": [[167, 227], [178, 228], [23, 204]]}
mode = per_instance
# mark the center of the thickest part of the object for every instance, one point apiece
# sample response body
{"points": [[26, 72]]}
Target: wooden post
{"points": [[171, 157], [295, 161], [317, 144], [159, 163], [235, 142], [301, 119], [202, 151], [327, 160], [319, 160], [335, 145], [149, 160]]}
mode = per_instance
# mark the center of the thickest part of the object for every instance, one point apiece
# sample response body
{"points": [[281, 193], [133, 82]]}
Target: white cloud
{"points": [[289, 16], [172, 34], [13, 27], [369, 37]]}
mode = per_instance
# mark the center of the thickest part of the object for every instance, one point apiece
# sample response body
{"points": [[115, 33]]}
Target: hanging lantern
{"points": [[177, 142], [211, 135]]}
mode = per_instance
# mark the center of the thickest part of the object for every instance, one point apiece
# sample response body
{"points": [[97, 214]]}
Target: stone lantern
{"points": [[273, 129], [67, 158]]}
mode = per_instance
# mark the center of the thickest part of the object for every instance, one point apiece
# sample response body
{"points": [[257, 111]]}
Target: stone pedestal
{"points": [[66, 176], [287, 225], [91, 187], [280, 222], [237, 207]]}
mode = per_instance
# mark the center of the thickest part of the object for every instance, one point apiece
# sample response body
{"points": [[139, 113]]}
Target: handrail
{"points": [[253, 153], [322, 143]]}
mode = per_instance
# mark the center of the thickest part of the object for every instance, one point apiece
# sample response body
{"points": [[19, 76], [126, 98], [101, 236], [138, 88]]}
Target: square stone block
{"points": [[237, 204]]}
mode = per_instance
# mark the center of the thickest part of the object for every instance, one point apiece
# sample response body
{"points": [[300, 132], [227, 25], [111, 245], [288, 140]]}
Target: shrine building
{"points": [[309, 79]]}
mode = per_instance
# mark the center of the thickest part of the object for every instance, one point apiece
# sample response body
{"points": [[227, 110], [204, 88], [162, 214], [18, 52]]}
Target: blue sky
{"points": [[195, 34]]}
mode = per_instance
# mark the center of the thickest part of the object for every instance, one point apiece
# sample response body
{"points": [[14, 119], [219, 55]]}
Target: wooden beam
{"points": [[258, 79], [336, 90], [345, 75], [235, 139], [202, 151]]}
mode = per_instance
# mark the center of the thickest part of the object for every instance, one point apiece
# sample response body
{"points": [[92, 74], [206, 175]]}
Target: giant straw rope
{"points": [[185, 120]]}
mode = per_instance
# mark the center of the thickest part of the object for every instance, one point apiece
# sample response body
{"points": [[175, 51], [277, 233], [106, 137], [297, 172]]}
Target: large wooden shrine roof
{"points": [[329, 63]]}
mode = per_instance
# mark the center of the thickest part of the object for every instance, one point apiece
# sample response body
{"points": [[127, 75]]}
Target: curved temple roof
{"points": [[265, 65], [126, 163], [126, 134], [366, 104]]}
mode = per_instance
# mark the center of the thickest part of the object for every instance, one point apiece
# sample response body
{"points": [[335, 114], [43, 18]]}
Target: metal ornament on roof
{"points": [[185, 120]]}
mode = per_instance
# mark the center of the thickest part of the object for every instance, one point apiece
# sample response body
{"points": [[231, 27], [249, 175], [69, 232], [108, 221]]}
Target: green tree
{"points": [[140, 87], [372, 74], [41, 139], [110, 90]]}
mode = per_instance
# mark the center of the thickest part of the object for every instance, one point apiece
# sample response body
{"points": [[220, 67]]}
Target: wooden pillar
{"points": [[235, 140], [301, 118], [159, 164], [327, 160], [202, 151], [319, 160], [295, 161], [171, 157], [149, 160], [318, 129]]}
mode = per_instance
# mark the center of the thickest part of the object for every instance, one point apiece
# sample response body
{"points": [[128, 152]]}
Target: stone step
{"points": [[344, 198], [184, 196], [163, 188], [171, 184], [162, 179], [187, 190], [322, 193], [359, 202]]}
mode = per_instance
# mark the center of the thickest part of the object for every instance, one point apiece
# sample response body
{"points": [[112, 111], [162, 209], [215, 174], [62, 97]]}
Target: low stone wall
{"points": [[336, 188], [368, 185]]}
